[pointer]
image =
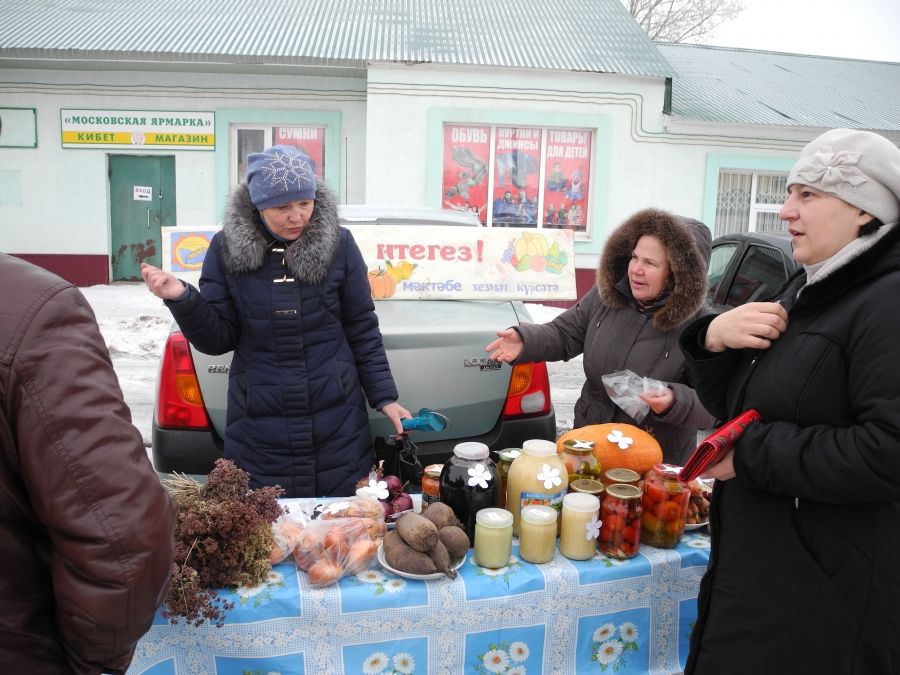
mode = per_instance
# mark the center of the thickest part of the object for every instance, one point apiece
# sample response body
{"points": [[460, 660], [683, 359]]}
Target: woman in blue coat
{"points": [[286, 289], [804, 575]]}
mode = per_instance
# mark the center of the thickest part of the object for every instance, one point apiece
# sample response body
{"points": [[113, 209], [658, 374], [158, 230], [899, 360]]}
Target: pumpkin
{"points": [[640, 452], [382, 284]]}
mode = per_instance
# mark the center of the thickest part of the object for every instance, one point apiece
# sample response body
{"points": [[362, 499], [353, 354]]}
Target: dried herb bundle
{"points": [[223, 537]]}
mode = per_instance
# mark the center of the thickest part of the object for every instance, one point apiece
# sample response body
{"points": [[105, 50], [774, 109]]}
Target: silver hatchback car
{"points": [[436, 352]]}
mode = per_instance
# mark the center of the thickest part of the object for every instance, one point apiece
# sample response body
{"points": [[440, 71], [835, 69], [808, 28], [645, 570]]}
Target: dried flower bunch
{"points": [[223, 537]]}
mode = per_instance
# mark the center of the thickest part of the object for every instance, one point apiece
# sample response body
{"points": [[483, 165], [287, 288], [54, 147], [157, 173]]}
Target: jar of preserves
{"points": [[620, 513], [591, 487], [580, 526], [431, 484], [537, 533], [626, 476], [505, 458], [468, 483], [493, 537], [666, 500], [537, 476], [578, 456]]}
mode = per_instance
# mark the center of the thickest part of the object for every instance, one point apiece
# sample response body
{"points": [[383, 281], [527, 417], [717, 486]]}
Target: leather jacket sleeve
{"points": [[108, 519]]}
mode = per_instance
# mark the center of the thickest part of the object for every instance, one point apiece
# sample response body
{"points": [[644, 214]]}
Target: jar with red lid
{"points": [[665, 502], [431, 484], [620, 513]]}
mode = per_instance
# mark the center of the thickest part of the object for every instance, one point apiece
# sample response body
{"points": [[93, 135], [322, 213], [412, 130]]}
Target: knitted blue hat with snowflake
{"points": [[279, 175]]}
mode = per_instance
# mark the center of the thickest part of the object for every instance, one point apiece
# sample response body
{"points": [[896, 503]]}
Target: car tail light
{"points": [[529, 391], [179, 402]]}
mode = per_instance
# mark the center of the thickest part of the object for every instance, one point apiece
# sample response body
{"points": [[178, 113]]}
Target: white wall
{"points": [[63, 192]]}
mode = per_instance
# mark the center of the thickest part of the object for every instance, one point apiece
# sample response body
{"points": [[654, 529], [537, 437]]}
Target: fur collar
{"points": [[688, 245], [244, 240]]}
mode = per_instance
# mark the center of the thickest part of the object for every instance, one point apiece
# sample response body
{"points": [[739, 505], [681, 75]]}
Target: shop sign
{"points": [[151, 129], [468, 263]]}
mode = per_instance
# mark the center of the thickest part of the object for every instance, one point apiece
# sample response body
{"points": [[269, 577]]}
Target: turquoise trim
{"points": [[600, 170], [226, 117], [715, 163]]}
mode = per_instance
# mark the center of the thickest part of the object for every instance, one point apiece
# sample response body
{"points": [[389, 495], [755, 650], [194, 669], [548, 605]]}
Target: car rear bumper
{"points": [[195, 452]]}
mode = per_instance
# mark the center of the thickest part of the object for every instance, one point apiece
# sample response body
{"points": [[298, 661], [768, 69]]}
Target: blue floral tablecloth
{"points": [[600, 616]]}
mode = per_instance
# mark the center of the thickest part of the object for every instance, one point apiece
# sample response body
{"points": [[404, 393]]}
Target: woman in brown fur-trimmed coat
{"points": [[650, 283]]}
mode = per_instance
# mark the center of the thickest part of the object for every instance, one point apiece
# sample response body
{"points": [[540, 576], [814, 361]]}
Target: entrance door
{"points": [[142, 200]]}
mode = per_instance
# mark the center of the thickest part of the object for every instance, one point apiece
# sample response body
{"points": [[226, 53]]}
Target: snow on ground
{"points": [[135, 324]]}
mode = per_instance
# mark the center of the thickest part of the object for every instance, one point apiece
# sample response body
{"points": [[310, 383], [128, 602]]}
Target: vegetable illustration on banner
{"points": [[442, 263]]}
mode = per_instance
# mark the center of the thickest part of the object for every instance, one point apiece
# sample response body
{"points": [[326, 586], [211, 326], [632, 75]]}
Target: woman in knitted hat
{"points": [[804, 575], [285, 288], [650, 284]]}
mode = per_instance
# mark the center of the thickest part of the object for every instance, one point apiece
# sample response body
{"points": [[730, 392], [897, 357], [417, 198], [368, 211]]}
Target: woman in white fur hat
{"points": [[804, 575]]}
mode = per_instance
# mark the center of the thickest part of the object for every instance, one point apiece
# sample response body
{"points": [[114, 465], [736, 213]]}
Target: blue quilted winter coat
{"points": [[308, 352]]}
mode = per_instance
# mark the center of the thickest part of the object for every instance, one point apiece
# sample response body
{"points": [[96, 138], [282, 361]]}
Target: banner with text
{"points": [[184, 250], [464, 263], [138, 128]]}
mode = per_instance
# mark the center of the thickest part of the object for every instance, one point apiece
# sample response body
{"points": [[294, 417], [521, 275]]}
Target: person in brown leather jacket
{"points": [[86, 528]]}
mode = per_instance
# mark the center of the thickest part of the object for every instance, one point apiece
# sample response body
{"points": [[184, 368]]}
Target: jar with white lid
{"points": [[537, 476], [469, 483], [537, 533], [493, 538], [580, 526]]}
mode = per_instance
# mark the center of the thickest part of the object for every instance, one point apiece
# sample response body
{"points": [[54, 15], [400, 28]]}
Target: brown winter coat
{"points": [[607, 326], [85, 525]]}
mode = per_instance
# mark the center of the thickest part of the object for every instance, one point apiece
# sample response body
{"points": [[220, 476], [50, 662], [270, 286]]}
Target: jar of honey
{"points": [[578, 456], [504, 459], [620, 513], [580, 526], [665, 501], [537, 476], [431, 484], [493, 538], [537, 533]]}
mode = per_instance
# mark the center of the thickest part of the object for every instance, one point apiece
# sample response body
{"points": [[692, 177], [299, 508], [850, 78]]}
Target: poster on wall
{"points": [[517, 164], [308, 140], [466, 156], [467, 263], [184, 250], [566, 177]]}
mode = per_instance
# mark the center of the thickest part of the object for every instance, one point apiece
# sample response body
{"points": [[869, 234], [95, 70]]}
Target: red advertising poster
{"points": [[517, 163], [566, 177], [466, 154], [309, 140]]}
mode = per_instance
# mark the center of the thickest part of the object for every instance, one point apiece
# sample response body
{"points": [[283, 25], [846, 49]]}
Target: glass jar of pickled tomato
{"points": [[665, 501], [620, 513], [626, 476], [578, 456]]}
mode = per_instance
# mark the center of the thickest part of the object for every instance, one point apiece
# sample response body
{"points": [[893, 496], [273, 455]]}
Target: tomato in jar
{"points": [[621, 515], [665, 502]]}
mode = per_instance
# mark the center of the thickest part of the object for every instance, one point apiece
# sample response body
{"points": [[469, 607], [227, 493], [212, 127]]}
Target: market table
{"points": [[600, 615]]}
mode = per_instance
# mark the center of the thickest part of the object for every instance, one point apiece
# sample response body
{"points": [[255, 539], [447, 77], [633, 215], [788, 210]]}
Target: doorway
{"points": [[142, 201]]}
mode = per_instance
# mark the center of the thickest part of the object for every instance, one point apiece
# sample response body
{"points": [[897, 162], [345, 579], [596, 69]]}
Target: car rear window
{"points": [[761, 273]]}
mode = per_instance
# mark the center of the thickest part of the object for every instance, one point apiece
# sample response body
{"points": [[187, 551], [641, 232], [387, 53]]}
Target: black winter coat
{"points": [[804, 575], [301, 322]]}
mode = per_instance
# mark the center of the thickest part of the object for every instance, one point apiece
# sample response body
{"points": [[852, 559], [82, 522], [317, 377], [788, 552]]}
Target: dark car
{"points": [[747, 267]]}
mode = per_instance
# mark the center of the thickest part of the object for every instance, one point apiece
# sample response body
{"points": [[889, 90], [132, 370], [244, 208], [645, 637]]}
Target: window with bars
{"points": [[750, 202]]}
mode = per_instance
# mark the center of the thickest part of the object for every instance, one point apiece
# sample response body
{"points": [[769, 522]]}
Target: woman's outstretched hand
{"points": [[161, 284], [752, 326], [507, 347]]}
